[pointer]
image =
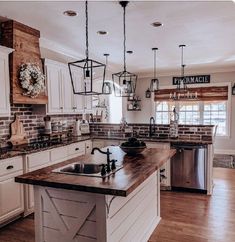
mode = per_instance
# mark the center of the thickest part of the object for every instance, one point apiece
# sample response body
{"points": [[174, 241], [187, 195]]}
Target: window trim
{"points": [[229, 106]]}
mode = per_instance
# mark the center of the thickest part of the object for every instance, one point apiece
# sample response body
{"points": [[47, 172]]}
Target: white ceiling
{"points": [[207, 28]]}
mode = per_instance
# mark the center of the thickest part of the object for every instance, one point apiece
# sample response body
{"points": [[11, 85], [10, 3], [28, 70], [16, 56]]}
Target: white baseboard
{"points": [[224, 152]]}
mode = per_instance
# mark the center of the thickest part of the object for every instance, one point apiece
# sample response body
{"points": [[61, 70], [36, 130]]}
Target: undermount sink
{"points": [[81, 169]]}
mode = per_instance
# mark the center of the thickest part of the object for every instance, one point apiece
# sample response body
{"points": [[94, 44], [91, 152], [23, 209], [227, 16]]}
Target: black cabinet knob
{"points": [[113, 166]]}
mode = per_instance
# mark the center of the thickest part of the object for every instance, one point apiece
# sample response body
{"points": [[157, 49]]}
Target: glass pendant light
{"points": [[84, 73], [181, 85], [124, 82], [106, 89], [154, 85]]}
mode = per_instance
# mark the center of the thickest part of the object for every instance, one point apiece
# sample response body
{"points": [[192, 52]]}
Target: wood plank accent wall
{"points": [[212, 93], [25, 41]]}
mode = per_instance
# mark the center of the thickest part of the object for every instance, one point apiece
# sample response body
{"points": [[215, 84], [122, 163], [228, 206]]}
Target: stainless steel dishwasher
{"points": [[188, 167]]}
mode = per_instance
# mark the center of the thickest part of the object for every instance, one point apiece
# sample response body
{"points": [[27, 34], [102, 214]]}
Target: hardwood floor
{"points": [[185, 217], [199, 218]]}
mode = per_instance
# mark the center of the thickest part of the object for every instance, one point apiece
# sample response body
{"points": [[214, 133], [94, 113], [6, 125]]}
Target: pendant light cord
{"points": [[182, 61], [87, 43], [154, 61], [124, 35]]}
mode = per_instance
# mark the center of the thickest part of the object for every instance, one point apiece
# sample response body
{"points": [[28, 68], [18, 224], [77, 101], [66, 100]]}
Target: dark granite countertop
{"points": [[157, 139], [135, 171], [25, 149]]}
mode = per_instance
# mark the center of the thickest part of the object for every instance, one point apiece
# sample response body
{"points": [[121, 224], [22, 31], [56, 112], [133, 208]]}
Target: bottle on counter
{"points": [[174, 119], [77, 128], [48, 129]]}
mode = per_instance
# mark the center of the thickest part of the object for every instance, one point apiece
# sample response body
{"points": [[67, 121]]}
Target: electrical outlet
{"points": [[193, 129]]}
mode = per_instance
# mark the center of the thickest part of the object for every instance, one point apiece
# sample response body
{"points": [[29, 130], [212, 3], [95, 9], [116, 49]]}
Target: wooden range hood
{"points": [[25, 41]]}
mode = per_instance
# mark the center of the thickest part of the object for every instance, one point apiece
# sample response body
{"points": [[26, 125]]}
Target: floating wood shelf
{"points": [[133, 109]]}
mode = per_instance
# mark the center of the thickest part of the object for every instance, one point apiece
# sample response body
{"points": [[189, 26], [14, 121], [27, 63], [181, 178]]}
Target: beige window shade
{"points": [[203, 94]]}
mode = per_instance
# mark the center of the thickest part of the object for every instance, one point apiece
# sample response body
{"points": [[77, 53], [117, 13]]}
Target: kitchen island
{"points": [[122, 207]]}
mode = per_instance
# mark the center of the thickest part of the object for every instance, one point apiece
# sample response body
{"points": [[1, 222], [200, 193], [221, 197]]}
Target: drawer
{"points": [[59, 153], [11, 165], [38, 159], [76, 148]]}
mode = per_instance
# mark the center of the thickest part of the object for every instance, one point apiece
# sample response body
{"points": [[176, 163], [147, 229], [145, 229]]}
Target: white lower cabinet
{"points": [[33, 162], [11, 193], [165, 172], [42, 159], [88, 146]]}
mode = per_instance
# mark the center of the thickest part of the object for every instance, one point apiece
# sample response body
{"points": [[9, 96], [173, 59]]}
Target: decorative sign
{"points": [[199, 79]]}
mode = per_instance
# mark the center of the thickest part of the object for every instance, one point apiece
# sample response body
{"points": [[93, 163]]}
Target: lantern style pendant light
{"points": [[154, 85], [106, 89], [124, 82], [181, 85], [84, 73]]}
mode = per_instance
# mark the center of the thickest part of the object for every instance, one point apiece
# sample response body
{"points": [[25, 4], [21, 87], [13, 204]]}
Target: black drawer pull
{"points": [[76, 148], [87, 147], [10, 167]]}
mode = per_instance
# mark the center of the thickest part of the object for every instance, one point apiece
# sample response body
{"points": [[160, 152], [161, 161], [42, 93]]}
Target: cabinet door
{"points": [[4, 84], [53, 74], [11, 198], [88, 144], [78, 99], [67, 91], [165, 170]]}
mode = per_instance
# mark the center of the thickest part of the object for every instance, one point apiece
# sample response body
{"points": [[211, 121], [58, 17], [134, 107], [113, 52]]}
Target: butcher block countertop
{"points": [[135, 171]]}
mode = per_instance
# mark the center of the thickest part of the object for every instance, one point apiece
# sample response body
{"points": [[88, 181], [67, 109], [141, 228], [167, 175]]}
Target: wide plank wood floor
{"points": [[185, 217]]}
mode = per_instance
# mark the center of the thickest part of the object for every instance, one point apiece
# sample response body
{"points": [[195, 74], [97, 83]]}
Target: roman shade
{"points": [[213, 93]]}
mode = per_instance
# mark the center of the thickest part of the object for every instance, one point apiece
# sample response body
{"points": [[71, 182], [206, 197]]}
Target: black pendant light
{"points": [[107, 88], [181, 85], [84, 73], [124, 82], [154, 85]]}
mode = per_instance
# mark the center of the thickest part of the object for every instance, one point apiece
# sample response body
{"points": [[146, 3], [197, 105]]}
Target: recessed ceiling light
{"points": [[70, 13], [102, 32], [129, 52], [156, 24]]}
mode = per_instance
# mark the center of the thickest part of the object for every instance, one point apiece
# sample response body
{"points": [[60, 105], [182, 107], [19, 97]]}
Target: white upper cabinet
{"points": [[4, 82], [60, 92], [67, 91], [53, 77], [78, 99]]}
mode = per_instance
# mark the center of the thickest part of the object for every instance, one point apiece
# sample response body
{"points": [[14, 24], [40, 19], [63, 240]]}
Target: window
{"points": [[189, 112], [163, 110], [216, 113], [201, 112]]}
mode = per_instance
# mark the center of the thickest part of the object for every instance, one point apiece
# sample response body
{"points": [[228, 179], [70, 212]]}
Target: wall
{"points": [[200, 132], [33, 123], [222, 145]]}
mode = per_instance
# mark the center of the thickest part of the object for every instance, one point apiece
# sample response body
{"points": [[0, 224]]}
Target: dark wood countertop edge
{"points": [[95, 189]]}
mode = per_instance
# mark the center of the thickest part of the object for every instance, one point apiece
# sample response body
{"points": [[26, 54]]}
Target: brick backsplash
{"points": [[201, 132], [33, 123]]}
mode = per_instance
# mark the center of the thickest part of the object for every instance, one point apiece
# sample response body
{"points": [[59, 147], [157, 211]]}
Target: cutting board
{"points": [[18, 134]]}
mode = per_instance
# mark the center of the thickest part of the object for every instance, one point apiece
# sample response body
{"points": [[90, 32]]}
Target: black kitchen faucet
{"points": [[108, 153]]}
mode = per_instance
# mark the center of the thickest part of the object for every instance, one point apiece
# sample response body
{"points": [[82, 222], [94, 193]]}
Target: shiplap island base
{"points": [[127, 210], [64, 216]]}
